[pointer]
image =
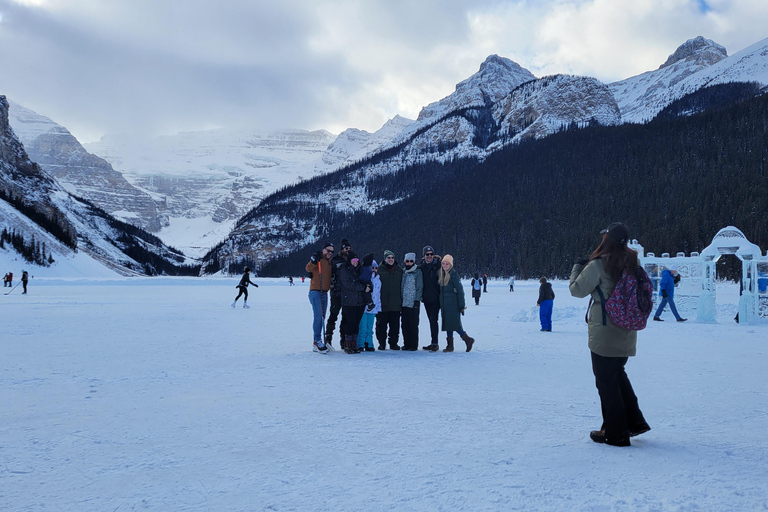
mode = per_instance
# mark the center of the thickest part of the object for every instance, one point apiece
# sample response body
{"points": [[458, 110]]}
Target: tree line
{"points": [[531, 209]]}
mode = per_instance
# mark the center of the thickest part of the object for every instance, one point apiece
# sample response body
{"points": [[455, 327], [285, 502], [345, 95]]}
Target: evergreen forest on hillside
{"points": [[531, 209]]}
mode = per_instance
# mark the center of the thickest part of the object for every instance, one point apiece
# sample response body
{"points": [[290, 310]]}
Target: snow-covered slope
{"points": [[81, 173], [696, 64], [37, 208]]}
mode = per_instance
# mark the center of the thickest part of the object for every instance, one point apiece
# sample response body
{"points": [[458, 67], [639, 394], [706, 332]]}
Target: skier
{"points": [[24, 280], [243, 288]]}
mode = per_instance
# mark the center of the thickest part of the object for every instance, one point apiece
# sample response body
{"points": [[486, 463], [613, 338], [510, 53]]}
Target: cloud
{"points": [[164, 66]]}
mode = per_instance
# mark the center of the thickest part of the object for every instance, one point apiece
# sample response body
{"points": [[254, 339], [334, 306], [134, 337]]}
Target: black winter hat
{"points": [[368, 259], [327, 243], [345, 243], [617, 231]]}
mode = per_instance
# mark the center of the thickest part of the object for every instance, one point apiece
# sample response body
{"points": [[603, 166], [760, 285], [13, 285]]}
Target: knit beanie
{"points": [[345, 243], [426, 249], [388, 253], [368, 259], [410, 256], [327, 243], [448, 258]]}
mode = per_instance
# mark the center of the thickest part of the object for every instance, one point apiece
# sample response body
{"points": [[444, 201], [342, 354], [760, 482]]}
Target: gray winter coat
{"points": [[604, 340], [413, 287]]}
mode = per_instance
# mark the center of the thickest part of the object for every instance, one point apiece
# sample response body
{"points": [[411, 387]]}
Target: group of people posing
{"points": [[383, 299]]}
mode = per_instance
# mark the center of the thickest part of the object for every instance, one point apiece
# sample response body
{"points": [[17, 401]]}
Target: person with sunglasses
{"points": [[413, 284], [337, 262], [430, 266], [388, 320], [319, 267]]}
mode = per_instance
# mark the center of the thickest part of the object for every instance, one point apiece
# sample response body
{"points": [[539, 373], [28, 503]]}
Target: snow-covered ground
{"points": [[154, 394]]}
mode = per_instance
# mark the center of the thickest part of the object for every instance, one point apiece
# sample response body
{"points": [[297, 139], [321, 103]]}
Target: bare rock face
{"points": [[699, 50], [85, 175]]}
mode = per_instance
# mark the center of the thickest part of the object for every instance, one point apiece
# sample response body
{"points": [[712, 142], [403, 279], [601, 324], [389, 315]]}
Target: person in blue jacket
{"points": [[669, 278]]}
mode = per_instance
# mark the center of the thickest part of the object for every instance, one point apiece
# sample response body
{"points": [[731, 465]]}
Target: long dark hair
{"points": [[616, 257]]}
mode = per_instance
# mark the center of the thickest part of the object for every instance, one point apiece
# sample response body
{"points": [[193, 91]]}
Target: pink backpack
{"points": [[631, 302]]}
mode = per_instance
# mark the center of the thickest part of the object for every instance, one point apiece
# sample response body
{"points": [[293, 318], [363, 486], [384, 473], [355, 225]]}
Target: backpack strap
{"points": [[602, 303]]}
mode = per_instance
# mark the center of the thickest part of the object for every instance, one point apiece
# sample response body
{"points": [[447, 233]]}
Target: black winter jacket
{"points": [[546, 293], [351, 289], [431, 293]]}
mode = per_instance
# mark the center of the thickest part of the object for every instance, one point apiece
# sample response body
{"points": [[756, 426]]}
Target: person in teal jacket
{"points": [[452, 304]]}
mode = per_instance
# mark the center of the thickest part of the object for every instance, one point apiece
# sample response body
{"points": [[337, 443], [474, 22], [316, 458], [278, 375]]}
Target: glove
{"points": [[316, 257], [371, 306], [664, 293], [677, 278], [254, 284]]}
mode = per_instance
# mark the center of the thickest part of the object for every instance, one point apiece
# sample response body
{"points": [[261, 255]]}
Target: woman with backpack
{"points": [[477, 285], [610, 345]]}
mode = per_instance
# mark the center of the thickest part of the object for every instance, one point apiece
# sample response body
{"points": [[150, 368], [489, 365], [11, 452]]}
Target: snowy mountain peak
{"points": [[700, 51]]}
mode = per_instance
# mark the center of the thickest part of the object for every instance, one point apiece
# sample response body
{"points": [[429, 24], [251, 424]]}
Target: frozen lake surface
{"points": [[154, 394]]}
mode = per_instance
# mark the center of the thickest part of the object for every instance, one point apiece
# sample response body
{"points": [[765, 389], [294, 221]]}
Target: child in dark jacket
{"points": [[545, 302]]}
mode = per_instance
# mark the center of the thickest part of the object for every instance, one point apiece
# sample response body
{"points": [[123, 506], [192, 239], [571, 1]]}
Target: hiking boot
{"points": [[657, 319], [431, 348], [449, 346], [598, 436], [369, 348]]}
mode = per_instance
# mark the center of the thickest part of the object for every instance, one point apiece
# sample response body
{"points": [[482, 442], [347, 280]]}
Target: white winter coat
{"points": [[375, 295]]}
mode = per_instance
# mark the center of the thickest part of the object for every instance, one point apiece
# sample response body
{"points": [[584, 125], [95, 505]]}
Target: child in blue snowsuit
{"points": [[369, 274], [545, 303]]}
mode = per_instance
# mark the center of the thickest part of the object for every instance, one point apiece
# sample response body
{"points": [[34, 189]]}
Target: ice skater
{"points": [[243, 288]]}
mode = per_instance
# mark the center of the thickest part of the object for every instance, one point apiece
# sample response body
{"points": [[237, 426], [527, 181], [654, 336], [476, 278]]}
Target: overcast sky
{"points": [[162, 66]]}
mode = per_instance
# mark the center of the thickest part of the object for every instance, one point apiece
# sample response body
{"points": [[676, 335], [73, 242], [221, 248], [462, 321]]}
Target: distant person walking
{"points": [[511, 284], [10, 279], [669, 279], [242, 288], [485, 283], [24, 281], [430, 268], [290, 281], [319, 268], [452, 303], [545, 303], [610, 346], [477, 284], [5, 280]]}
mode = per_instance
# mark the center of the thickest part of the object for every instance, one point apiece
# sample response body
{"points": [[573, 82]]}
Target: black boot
{"points": [[468, 340], [449, 347]]}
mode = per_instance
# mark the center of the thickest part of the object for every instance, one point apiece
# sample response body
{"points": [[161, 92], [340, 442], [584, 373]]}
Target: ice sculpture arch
{"points": [[697, 291]]}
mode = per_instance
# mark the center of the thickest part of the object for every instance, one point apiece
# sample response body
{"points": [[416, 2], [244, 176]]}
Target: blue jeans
{"points": [[664, 301], [545, 314], [319, 301]]}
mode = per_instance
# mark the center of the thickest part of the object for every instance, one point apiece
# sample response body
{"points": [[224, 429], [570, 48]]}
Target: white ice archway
{"points": [[697, 291], [754, 275]]}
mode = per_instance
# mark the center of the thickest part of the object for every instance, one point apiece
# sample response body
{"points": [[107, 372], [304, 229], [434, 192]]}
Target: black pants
{"points": [[332, 317], [410, 320], [350, 325], [433, 314], [242, 291], [24, 285], [387, 321], [618, 402]]}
